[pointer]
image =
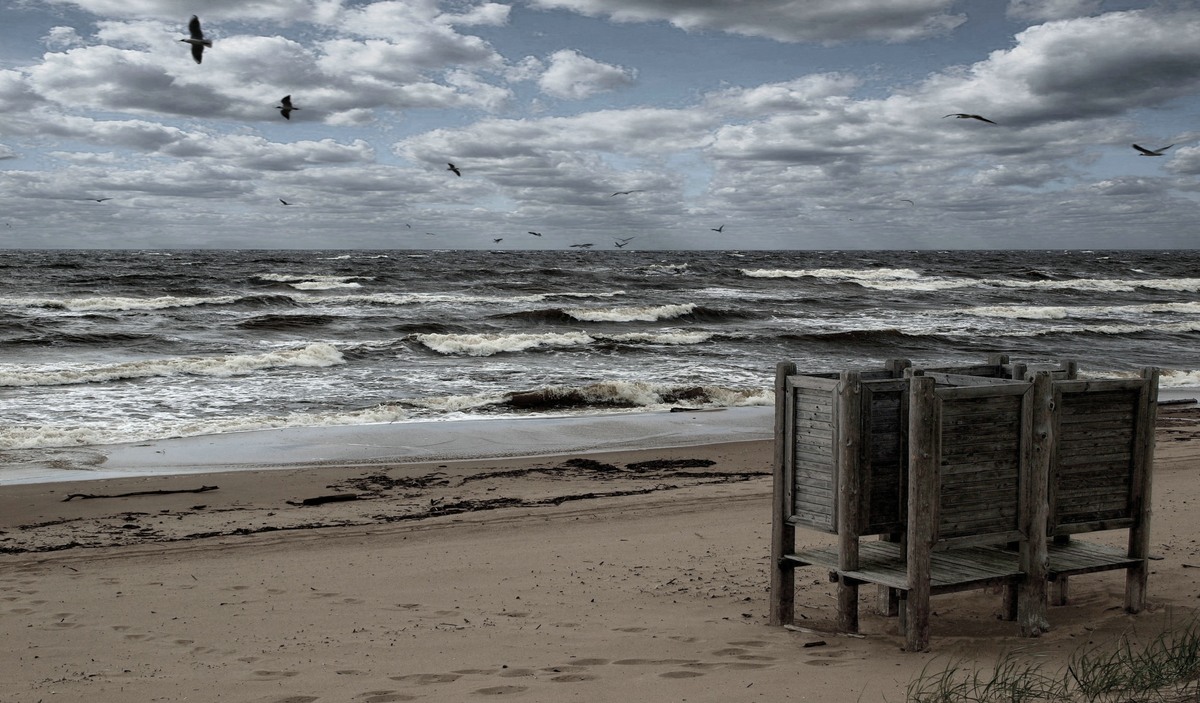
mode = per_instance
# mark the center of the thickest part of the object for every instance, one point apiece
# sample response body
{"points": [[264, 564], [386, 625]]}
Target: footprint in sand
{"points": [[384, 697], [589, 662], [427, 679], [573, 678], [275, 675], [500, 690]]}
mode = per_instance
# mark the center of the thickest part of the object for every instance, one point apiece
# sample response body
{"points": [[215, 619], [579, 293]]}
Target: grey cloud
{"points": [[818, 21]]}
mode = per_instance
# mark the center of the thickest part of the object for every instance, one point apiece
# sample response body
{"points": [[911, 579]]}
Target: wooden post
{"points": [[1139, 532], [1031, 600], [924, 430], [888, 599], [783, 533], [849, 446]]}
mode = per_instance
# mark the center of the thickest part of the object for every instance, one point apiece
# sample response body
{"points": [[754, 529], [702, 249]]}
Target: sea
{"points": [[102, 347]]}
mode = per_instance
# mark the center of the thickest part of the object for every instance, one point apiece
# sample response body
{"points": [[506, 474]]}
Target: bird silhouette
{"points": [[196, 39], [536, 234], [100, 200], [588, 245], [454, 168], [906, 200], [284, 201], [620, 245], [497, 240], [624, 192], [718, 229], [285, 107], [967, 116], [1152, 152]]}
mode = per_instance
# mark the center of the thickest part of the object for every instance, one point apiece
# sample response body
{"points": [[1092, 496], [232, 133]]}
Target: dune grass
{"points": [[1163, 669]]}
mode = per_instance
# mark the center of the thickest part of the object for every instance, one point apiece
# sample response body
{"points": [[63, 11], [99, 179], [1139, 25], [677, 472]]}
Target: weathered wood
{"points": [[1139, 533], [783, 534], [923, 433], [849, 461], [1031, 600]]}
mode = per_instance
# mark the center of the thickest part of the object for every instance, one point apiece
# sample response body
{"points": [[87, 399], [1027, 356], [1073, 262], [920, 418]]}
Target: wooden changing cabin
{"points": [[970, 476]]}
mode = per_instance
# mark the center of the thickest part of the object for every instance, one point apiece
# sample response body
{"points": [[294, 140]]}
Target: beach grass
{"points": [[1162, 669]]}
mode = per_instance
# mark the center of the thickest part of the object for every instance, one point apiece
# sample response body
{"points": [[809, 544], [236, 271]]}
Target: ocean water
{"points": [[102, 347]]}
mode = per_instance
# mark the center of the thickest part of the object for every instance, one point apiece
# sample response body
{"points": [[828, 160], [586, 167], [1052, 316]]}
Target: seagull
{"points": [[717, 229], [285, 107], [906, 200], [454, 168], [197, 39], [620, 245], [1152, 152], [966, 116], [497, 240], [100, 200], [624, 192], [536, 234], [284, 201], [626, 240]]}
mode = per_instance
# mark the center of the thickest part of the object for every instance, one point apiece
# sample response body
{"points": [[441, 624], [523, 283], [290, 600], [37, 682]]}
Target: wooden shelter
{"points": [[965, 475]]}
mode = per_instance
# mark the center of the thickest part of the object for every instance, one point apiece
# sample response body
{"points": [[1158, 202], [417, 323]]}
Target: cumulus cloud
{"points": [[819, 21], [1081, 68], [574, 76]]}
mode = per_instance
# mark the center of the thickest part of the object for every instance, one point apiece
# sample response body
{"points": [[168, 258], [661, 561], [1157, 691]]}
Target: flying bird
{"points": [[100, 200], [536, 234], [454, 168], [589, 245], [284, 201], [497, 240], [906, 200], [620, 245], [967, 116], [718, 229], [285, 107], [624, 192], [1152, 152], [196, 39]]}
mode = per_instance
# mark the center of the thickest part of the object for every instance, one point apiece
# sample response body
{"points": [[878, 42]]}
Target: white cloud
{"points": [[62, 38], [1043, 10], [573, 76], [819, 21]]}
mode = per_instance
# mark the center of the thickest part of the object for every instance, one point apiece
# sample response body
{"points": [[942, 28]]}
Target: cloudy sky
{"points": [[793, 124]]}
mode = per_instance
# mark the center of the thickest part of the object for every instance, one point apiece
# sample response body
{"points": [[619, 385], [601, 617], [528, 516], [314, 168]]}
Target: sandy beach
{"points": [[596, 572]]}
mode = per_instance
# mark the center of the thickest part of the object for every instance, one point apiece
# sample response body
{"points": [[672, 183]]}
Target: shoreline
{"points": [[402, 442]]}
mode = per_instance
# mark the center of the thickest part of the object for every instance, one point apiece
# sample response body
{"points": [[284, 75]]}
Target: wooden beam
{"points": [[783, 533], [923, 436], [848, 450]]}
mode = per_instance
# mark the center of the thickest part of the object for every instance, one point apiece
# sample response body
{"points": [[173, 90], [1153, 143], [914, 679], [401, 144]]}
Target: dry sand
{"points": [[615, 576]]}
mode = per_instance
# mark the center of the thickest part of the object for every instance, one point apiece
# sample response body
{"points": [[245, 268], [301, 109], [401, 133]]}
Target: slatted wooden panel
{"points": [[982, 461], [814, 490], [1095, 455], [884, 488]]}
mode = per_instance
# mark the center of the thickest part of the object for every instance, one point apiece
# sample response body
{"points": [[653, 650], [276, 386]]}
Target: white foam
{"points": [[489, 344], [646, 313], [313, 355]]}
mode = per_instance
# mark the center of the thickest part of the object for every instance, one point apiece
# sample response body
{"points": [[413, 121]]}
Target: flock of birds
{"points": [[199, 43]]}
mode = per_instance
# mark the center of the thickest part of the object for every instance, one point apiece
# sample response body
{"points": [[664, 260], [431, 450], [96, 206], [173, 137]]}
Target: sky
{"points": [[732, 124]]}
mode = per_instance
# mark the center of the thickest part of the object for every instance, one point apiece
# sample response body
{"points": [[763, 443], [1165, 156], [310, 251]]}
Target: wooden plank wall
{"points": [[814, 496], [982, 449]]}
